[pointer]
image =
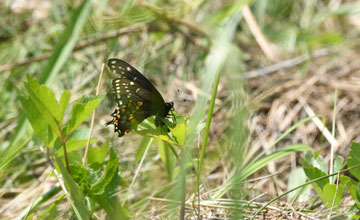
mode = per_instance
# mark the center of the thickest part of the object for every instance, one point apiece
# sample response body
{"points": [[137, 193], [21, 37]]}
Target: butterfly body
{"points": [[136, 97]]}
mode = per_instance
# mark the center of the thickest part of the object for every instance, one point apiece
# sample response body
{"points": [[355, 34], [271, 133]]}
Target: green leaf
{"points": [[77, 140], [313, 172], [179, 133], [64, 101], [76, 198], [168, 158], [141, 149], [42, 102], [80, 112], [329, 192], [351, 185], [317, 161], [112, 207], [354, 159], [44, 95], [297, 178], [73, 145], [61, 52], [338, 164], [38, 123], [110, 179], [12, 150], [67, 42], [75, 158], [98, 154]]}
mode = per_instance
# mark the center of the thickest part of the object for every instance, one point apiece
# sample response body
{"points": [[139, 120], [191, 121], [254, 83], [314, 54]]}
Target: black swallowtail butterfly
{"points": [[136, 97]]}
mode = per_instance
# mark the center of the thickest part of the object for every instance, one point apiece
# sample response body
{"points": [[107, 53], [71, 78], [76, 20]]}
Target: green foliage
{"points": [[194, 41], [46, 115], [67, 42], [330, 193], [354, 159], [353, 186], [85, 184], [178, 129], [168, 158], [316, 167], [75, 197], [297, 178]]}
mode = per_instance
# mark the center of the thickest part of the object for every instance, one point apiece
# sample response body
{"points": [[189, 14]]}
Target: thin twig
{"points": [[258, 34], [285, 64], [318, 123], [78, 46], [93, 116]]}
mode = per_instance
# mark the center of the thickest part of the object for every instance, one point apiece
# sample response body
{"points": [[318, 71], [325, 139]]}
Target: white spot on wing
{"points": [[128, 68], [132, 83]]}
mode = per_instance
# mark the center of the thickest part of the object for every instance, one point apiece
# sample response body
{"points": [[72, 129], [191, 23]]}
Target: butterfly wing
{"points": [[135, 95]]}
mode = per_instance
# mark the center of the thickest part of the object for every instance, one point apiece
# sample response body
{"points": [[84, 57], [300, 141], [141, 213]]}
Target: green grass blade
{"points": [[67, 43], [240, 176]]}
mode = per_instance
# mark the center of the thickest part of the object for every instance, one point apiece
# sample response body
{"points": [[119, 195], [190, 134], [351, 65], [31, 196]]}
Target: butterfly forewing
{"points": [[127, 72]]}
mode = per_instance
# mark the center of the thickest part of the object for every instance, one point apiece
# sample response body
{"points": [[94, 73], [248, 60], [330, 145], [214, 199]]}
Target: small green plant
{"points": [[87, 188], [329, 191]]}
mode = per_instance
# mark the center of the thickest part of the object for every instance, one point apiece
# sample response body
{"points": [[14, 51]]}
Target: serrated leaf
{"points": [[354, 159], [37, 122], [317, 161], [80, 112], [76, 198], [41, 105], [44, 95], [64, 101], [314, 172]]}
